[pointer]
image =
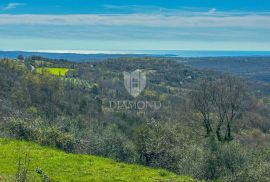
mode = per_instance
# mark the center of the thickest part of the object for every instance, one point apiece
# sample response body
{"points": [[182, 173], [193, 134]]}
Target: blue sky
{"points": [[135, 25]]}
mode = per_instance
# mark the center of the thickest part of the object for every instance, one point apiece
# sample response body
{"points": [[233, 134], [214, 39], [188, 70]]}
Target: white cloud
{"points": [[147, 20], [83, 51], [213, 10], [12, 6]]}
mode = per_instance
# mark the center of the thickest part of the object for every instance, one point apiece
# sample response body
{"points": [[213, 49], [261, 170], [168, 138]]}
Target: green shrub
{"points": [[223, 159], [38, 131]]}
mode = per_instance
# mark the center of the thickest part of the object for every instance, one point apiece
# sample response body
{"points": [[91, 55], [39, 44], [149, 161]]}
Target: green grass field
{"points": [[54, 71], [63, 167]]}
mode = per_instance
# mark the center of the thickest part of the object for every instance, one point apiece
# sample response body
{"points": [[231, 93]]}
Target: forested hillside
{"points": [[211, 126]]}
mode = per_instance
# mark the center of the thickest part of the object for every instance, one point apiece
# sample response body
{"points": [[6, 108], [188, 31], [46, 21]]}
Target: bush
{"points": [[56, 138], [110, 141], [38, 131], [223, 160], [163, 146], [258, 167], [21, 129]]}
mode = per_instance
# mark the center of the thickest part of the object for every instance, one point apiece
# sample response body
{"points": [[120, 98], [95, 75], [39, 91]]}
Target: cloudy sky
{"points": [[135, 25]]}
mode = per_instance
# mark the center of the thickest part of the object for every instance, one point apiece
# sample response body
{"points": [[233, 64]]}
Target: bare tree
{"points": [[230, 100], [221, 103], [202, 102]]}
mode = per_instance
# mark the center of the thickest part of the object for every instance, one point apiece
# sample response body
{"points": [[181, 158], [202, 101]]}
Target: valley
{"points": [[208, 121]]}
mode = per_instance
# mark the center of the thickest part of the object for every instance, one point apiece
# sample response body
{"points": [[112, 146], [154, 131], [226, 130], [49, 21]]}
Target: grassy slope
{"points": [[61, 166]]}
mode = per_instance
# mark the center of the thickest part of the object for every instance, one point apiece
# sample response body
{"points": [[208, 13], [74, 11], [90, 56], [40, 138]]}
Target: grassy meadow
{"points": [[54, 71], [60, 166]]}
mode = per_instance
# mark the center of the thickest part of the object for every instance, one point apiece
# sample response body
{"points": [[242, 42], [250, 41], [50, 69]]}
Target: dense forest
{"points": [[211, 126]]}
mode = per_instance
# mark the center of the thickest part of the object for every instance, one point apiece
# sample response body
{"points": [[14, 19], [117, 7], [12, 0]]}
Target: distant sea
{"points": [[86, 55], [210, 53]]}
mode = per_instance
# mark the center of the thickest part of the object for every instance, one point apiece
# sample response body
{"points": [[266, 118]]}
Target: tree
{"points": [[220, 104], [156, 144], [230, 102], [222, 161], [203, 103]]}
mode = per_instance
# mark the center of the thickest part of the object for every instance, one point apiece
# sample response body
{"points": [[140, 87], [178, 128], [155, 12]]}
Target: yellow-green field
{"points": [[54, 71], [63, 167]]}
